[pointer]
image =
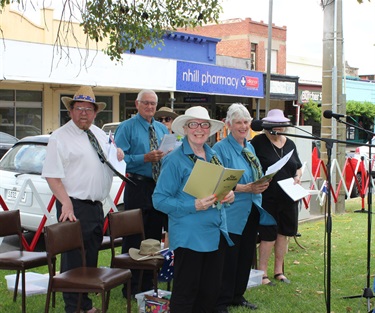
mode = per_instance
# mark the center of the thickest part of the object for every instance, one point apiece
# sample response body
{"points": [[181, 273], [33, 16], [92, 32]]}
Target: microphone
{"points": [[330, 114], [258, 125]]}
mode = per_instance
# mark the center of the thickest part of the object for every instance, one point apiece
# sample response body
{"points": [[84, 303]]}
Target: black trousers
{"points": [[91, 216], [197, 278], [140, 196], [238, 261]]}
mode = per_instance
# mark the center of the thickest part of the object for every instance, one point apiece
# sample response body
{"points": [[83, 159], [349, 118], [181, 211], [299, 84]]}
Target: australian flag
{"points": [[325, 187], [166, 272]]}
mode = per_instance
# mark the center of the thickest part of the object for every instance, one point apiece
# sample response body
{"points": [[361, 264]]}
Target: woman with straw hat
{"points": [[166, 116], [197, 228]]}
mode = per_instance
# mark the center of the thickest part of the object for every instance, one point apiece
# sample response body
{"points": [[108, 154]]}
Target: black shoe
{"points": [[247, 304], [283, 280], [270, 283]]}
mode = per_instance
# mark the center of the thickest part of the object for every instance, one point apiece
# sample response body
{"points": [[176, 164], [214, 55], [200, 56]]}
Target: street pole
{"points": [[332, 78], [269, 50]]}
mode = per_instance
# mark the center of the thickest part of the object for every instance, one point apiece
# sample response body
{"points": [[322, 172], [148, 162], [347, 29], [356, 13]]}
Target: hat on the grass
{"points": [[199, 113], [83, 94], [149, 249]]}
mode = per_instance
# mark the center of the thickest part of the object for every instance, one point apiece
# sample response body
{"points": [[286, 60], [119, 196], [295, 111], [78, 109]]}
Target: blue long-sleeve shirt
{"points": [[229, 151], [188, 228], [132, 136]]}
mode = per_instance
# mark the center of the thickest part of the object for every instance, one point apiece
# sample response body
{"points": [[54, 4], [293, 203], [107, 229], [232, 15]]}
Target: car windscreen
{"points": [[25, 158], [6, 138], [108, 128]]}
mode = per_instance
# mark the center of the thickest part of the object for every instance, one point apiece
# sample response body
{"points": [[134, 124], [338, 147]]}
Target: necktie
{"points": [[95, 144], [254, 163], [154, 146], [214, 159]]}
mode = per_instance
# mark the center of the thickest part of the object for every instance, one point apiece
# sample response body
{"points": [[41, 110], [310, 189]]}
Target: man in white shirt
{"points": [[80, 181]]}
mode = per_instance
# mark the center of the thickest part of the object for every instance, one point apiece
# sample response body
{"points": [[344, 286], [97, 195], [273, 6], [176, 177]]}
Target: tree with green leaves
{"points": [[311, 111], [364, 110], [129, 25]]}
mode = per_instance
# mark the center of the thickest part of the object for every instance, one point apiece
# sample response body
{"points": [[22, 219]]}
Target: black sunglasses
{"points": [[162, 119]]}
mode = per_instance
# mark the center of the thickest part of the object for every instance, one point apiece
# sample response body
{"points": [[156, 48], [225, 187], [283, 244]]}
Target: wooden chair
{"points": [[66, 236], [128, 223], [18, 260], [106, 243]]}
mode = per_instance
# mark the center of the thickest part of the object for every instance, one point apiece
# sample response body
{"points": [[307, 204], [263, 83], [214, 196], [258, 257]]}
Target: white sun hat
{"points": [[199, 113]]}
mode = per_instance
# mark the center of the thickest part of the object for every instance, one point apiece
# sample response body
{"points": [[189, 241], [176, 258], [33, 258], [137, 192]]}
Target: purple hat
{"points": [[275, 116]]}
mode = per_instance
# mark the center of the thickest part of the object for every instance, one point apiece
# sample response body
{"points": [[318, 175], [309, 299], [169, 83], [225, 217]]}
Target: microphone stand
{"points": [[328, 219], [367, 292]]}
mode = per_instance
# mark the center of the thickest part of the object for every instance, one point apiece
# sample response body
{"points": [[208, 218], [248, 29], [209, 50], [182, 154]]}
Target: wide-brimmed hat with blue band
{"points": [[83, 94]]}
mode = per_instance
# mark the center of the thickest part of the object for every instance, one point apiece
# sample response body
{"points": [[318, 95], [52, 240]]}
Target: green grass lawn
{"points": [[306, 268]]}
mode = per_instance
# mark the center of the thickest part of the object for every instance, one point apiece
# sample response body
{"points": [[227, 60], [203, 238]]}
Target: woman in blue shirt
{"points": [[197, 227], [244, 215]]}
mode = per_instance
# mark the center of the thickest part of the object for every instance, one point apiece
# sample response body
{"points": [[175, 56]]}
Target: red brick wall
{"points": [[236, 38]]}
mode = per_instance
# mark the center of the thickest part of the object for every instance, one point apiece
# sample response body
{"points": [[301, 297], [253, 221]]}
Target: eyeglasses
{"points": [[162, 119], [149, 102], [86, 110], [194, 125]]}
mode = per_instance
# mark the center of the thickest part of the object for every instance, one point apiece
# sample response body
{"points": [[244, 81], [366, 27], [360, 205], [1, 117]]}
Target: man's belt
{"points": [[87, 201], [141, 178]]}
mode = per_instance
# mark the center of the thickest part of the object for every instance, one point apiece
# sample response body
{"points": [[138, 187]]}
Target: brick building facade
{"points": [[247, 39]]}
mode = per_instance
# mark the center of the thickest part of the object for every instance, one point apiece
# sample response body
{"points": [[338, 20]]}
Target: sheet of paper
{"points": [[274, 168], [120, 166], [294, 191], [168, 143], [279, 164], [265, 178]]}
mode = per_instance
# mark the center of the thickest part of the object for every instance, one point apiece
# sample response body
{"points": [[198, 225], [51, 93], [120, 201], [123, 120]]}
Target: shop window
{"points": [[21, 112], [127, 104], [253, 54]]}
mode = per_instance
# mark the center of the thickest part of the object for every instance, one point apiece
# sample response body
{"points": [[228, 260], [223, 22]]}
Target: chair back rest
{"points": [[63, 237], [10, 222], [126, 223]]}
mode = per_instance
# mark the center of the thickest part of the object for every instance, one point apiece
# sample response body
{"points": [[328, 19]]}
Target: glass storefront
{"points": [[21, 112], [216, 105]]}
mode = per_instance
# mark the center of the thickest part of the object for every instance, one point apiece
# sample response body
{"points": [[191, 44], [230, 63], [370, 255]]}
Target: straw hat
{"points": [[275, 116], [165, 111], [192, 113], [150, 249], [83, 94]]}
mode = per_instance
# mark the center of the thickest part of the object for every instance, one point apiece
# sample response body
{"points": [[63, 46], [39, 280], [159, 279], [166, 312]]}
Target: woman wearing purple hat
{"points": [[271, 148]]}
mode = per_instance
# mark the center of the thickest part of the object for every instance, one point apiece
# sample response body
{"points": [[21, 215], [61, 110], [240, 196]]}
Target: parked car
{"points": [[21, 130], [110, 127], [6, 142], [364, 150], [23, 162]]}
